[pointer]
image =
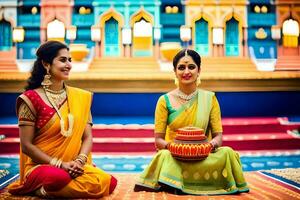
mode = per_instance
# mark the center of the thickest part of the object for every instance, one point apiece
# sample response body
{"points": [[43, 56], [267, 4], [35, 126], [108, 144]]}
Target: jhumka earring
{"points": [[46, 82], [176, 81], [198, 81]]}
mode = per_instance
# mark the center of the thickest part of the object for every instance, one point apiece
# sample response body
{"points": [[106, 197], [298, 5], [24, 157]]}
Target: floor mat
{"points": [[261, 187]]}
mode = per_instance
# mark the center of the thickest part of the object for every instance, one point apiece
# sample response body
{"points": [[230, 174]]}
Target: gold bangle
{"points": [[58, 163], [53, 161], [83, 155]]}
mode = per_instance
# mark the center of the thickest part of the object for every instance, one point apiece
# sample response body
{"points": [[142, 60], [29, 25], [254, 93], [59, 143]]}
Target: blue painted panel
{"points": [[201, 37], [26, 50], [232, 38], [261, 19], [266, 49], [5, 35], [252, 31], [261, 1], [28, 20]]}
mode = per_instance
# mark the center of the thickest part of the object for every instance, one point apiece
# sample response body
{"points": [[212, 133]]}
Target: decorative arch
{"points": [[141, 13], [142, 45], [111, 22], [111, 13], [202, 16], [241, 23]]}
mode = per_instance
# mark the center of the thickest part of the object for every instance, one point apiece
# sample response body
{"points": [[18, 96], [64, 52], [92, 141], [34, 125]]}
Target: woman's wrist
{"points": [[81, 158], [214, 144], [167, 145]]}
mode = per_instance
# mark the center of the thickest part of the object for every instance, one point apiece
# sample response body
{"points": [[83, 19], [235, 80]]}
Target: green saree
{"points": [[220, 173]]}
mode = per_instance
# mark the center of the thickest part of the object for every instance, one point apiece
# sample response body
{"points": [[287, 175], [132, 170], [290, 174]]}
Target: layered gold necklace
{"points": [[56, 98]]}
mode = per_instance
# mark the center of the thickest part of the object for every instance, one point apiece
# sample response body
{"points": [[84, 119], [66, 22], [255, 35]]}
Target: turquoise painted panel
{"points": [[169, 31], [261, 19], [30, 2], [83, 2], [29, 20], [32, 34], [172, 19], [111, 38], [83, 20], [5, 35], [83, 34], [201, 37], [142, 53], [232, 38]]}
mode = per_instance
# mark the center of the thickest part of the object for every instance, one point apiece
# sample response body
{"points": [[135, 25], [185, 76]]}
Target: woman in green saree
{"points": [[221, 172]]}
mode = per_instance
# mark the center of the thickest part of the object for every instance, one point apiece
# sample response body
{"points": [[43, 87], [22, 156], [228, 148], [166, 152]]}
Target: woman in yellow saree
{"points": [[55, 133], [221, 172]]}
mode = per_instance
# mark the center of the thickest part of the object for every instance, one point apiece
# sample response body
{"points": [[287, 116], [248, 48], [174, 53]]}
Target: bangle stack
{"points": [[56, 162], [82, 158]]}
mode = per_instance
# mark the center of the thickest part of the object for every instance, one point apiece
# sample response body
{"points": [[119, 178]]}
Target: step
{"points": [[132, 131], [260, 141]]}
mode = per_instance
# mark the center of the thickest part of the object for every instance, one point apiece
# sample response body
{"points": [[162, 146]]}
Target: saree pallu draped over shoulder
{"points": [[93, 182], [220, 173]]}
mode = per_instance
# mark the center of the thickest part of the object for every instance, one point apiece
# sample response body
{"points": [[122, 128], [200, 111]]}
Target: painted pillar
{"points": [[157, 26], [127, 47]]}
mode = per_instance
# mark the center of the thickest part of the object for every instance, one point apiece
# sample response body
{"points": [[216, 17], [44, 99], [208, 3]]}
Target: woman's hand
{"points": [[73, 168]]}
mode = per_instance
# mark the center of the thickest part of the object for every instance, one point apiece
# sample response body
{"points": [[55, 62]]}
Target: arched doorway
{"points": [[111, 37], [202, 37], [232, 37], [290, 30], [56, 30], [142, 42], [5, 35]]}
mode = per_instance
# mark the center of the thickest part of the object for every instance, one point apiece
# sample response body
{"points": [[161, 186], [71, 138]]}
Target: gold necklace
{"points": [[66, 133], [184, 96], [58, 98]]}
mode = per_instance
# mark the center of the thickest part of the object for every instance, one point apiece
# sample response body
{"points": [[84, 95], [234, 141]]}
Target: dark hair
{"points": [[46, 53], [194, 55]]}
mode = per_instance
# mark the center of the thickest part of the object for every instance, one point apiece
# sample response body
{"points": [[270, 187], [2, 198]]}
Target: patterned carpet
{"points": [[261, 187]]}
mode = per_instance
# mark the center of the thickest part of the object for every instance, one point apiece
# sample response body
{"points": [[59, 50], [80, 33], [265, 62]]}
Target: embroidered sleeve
{"points": [[90, 119], [161, 116], [215, 117], [25, 115]]}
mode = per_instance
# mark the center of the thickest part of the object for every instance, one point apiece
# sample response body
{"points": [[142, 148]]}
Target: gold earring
{"points": [[198, 82], [176, 81], [46, 81]]}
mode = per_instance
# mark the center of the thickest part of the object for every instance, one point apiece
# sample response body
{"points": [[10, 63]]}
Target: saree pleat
{"points": [[94, 182], [220, 173]]}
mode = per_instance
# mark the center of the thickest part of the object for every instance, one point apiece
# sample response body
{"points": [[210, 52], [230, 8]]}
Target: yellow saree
{"points": [[93, 182], [220, 173]]}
